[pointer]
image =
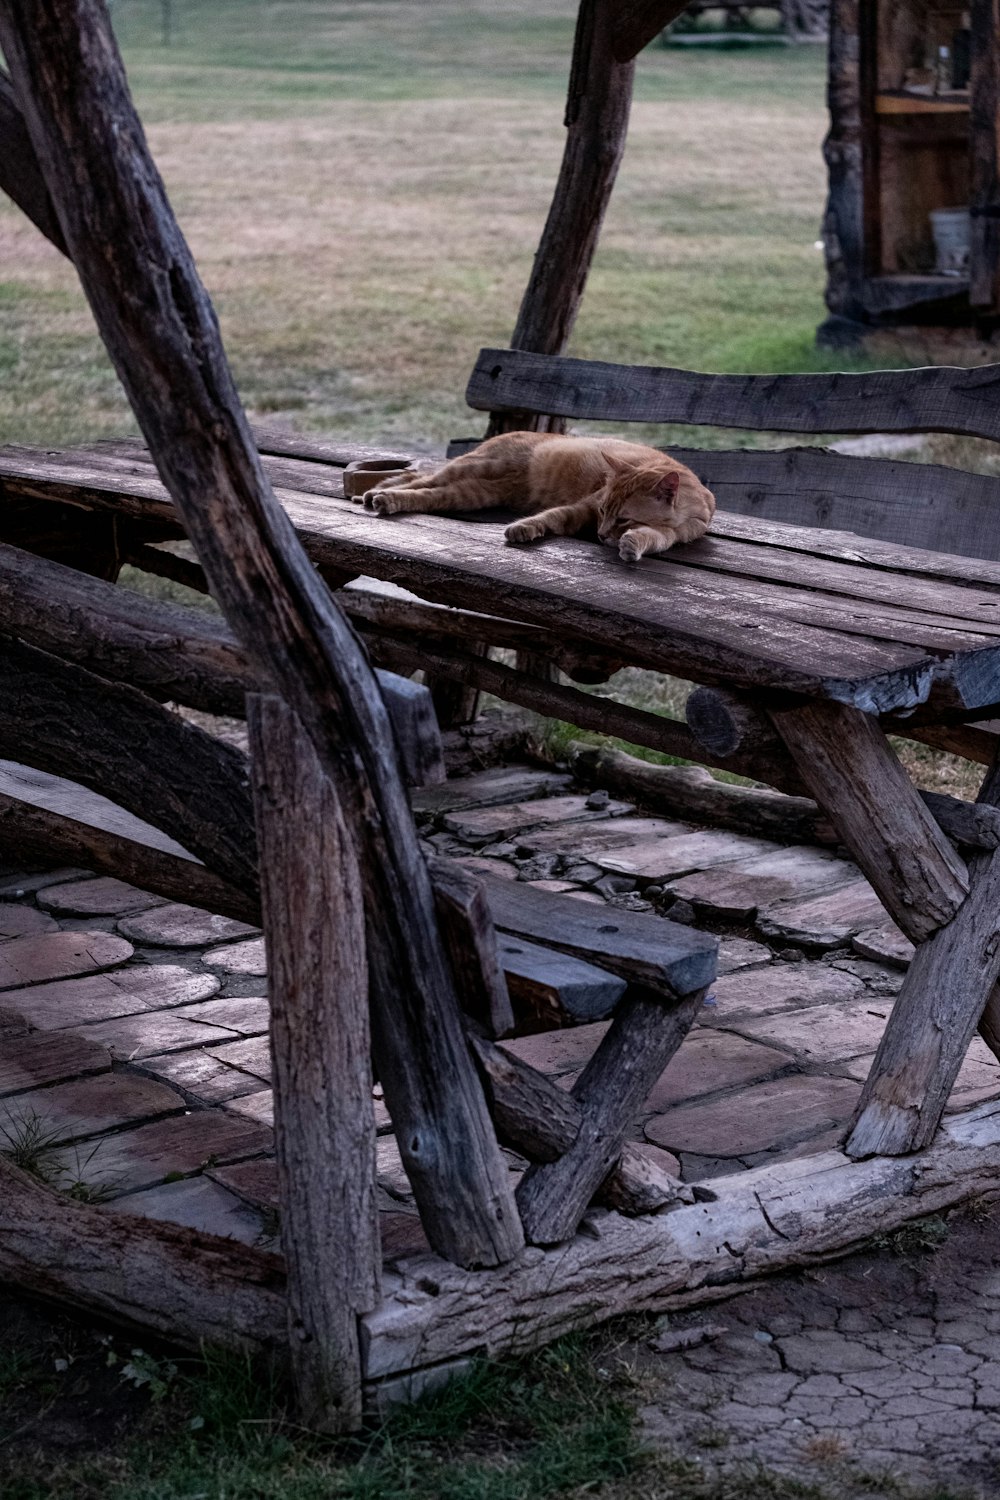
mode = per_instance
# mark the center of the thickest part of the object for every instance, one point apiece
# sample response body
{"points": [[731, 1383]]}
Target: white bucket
{"points": [[950, 228]]}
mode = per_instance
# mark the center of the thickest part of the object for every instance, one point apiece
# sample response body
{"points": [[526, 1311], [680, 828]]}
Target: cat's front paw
{"points": [[384, 502], [630, 549], [523, 531]]}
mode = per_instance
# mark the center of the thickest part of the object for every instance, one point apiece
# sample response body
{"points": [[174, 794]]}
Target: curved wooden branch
{"points": [[20, 175]]}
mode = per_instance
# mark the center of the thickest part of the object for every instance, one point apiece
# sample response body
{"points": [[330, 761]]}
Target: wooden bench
{"points": [[809, 641]]}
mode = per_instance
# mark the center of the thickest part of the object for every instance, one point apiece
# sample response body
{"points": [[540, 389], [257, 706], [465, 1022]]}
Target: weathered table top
{"points": [[756, 604]]}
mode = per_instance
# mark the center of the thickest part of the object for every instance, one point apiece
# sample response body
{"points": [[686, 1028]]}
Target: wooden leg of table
{"points": [[946, 988], [851, 769], [456, 703]]}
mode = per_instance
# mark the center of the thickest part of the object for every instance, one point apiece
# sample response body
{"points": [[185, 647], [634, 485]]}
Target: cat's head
{"points": [[636, 496]]}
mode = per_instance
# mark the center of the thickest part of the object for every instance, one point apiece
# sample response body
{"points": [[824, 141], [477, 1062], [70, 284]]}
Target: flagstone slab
{"points": [[90, 1106], [741, 953], [23, 921], [886, 944], [556, 1052], [140, 987], [251, 1055], [27, 882], [176, 926], [201, 1076], [586, 843], [489, 788], [100, 896], [666, 1160], [58, 955], [402, 1235], [38, 1058], [709, 1061], [662, 859], [180, 1145], [255, 1181], [239, 958], [246, 1015], [824, 921], [131, 1038], [737, 891], [765, 1117], [779, 986], [201, 1204], [824, 1033], [257, 1106], [494, 868], [487, 825], [390, 1174]]}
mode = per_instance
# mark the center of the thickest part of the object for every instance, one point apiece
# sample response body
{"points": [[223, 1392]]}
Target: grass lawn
{"points": [[363, 186]]}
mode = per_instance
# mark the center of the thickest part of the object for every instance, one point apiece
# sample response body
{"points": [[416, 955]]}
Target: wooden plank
{"points": [[664, 616], [321, 1052], [108, 194], [847, 763], [554, 989], [946, 988], [641, 949], [641, 1040], [934, 399], [471, 940]]}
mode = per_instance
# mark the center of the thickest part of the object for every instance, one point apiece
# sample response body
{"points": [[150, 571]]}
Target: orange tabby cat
{"points": [[634, 498]]}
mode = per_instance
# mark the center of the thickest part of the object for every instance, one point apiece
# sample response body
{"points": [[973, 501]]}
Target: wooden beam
{"points": [[160, 329], [126, 747], [323, 1112], [191, 1288], [933, 1020], [536, 1117], [984, 158], [847, 763], [467, 926], [937, 399], [639, 22], [20, 175], [642, 1039], [597, 109]]}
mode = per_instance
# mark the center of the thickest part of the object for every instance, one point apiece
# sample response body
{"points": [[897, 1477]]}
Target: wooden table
{"points": [[821, 636]]}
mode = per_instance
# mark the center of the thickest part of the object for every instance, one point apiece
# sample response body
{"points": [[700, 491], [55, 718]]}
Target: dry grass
{"points": [[364, 185]]}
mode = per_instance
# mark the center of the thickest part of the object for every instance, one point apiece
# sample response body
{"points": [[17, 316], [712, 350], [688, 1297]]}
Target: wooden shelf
{"points": [[921, 104]]}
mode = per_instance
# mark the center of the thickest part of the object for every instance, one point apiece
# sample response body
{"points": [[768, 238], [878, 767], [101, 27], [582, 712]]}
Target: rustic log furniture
{"points": [[376, 952]]}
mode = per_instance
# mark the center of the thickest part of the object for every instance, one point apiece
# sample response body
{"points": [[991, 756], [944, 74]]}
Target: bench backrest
{"points": [[923, 505]]}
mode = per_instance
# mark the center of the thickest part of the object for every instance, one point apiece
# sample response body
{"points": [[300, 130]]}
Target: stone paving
{"points": [[134, 1071], [135, 1029]]}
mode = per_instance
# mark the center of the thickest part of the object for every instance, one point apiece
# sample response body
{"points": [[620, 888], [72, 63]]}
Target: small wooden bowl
{"points": [[364, 473]]}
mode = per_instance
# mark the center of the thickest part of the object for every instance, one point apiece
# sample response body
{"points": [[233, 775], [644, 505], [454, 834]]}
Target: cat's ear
{"points": [[666, 486], [619, 465]]}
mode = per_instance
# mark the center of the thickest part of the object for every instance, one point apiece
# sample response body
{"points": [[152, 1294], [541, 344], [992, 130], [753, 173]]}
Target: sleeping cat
{"points": [[634, 498]]}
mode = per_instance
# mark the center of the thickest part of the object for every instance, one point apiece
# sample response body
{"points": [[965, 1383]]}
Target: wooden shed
{"points": [[912, 225]]}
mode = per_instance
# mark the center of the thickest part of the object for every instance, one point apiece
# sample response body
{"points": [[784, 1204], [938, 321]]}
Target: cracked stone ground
{"points": [[879, 1374]]}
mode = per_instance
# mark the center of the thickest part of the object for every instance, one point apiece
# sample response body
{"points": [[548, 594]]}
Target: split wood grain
{"points": [[471, 940], [846, 761], [610, 1091], [324, 1117], [160, 328], [20, 175], [934, 399], [541, 1121]]}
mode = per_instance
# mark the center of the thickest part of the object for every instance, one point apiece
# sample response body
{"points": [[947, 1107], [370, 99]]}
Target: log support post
{"points": [[951, 913], [646, 1032], [321, 1051]]}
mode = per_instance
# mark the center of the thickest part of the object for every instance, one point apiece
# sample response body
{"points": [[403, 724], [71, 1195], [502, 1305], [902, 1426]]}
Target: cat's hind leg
{"points": [[415, 496]]}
